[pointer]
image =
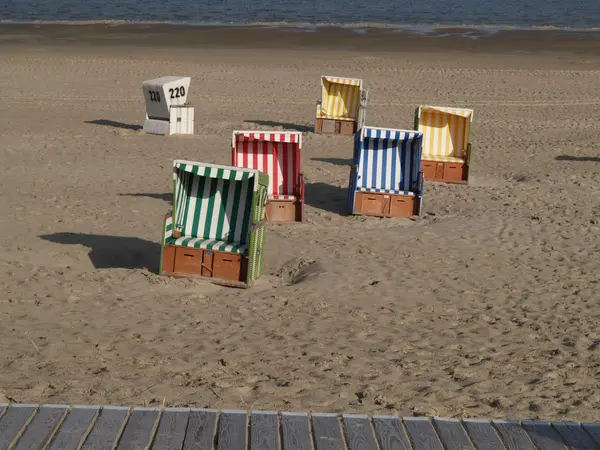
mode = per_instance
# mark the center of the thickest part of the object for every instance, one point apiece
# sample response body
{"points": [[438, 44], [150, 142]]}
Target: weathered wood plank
{"points": [[201, 429], [422, 434], [391, 434], [326, 432], [593, 430], [574, 436], [452, 434], [139, 430], [295, 432], [543, 435], [513, 435], [107, 428], [483, 434], [13, 420], [233, 430], [74, 427], [264, 430], [171, 429], [41, 427], [359, 433]]}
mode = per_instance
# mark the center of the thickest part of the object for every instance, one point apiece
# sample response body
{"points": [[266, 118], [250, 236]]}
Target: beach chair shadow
{"points": [[578, 158], [168, 197], [335, 161], [284, 125], [112, 123], [108, 252], [327, 197]]}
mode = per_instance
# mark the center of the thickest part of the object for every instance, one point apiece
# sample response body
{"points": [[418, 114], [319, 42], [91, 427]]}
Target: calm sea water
{"points": [[519, 13]]}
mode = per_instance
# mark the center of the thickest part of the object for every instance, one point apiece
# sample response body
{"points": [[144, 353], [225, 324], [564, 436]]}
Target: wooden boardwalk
{"points": [[31, 427]]}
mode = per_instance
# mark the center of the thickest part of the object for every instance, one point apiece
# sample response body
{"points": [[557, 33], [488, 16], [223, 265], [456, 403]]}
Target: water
{"points": [[565, 14]]}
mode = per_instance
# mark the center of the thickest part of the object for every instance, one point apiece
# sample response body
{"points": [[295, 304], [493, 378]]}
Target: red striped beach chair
{"points": [[278, 154], [446, 146]]}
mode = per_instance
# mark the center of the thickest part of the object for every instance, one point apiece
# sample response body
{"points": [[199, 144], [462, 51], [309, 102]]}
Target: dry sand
{"points": [[487, 306]]}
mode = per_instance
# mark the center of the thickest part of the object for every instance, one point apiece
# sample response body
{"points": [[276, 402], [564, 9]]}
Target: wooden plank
{"points": [[295, 432], [543, 435], [171, 429], [233, 430], [201, 428], [422, 434], [359, 433], [326, 432], [452, 434], [107, 428], [74, 427], [13, 420], [390, 433], [41, 427], [483, 434], [139, 430], [264, 430], [513, 435], [574, 436], [593, 430]]}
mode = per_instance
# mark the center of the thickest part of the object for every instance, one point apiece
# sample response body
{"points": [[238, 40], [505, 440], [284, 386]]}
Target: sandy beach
{"points": [[487, 306]]}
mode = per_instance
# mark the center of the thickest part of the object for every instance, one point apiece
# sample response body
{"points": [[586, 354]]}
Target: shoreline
{"points": [[389, 40], [419, 27]]}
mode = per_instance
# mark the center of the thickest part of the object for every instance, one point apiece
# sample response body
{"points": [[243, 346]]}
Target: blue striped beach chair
{"points": [[386, 178], [216, 229]]}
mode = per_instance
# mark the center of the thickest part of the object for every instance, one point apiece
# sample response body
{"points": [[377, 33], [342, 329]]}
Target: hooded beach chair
{"points": [[216, 229], [342, 106], [446, 146], [278, 154], [386, 179], [167, 109]]}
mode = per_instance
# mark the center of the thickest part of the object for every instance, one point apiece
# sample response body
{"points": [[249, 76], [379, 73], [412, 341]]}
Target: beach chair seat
{"points": [[342, 107], [216, 229], [386, 179], [208, 244], [446, 147], [277, 154], [385, 191], [288, 198]]}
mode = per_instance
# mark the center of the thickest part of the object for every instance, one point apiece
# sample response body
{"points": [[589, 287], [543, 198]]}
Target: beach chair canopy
{"points": [[340, 98], [275, 153], [445, 132], [213, 206], [387, 160]]}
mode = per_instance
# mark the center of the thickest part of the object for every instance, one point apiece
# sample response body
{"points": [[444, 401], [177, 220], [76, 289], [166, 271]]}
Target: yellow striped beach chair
{"points": [[216, 229], [446, 142], [342, 107]]}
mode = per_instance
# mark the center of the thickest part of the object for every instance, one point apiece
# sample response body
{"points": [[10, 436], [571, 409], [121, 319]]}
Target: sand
{"points": [[487, 306]]}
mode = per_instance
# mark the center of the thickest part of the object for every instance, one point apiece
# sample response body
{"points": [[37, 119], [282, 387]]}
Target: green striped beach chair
{"points": [[216, 229]]}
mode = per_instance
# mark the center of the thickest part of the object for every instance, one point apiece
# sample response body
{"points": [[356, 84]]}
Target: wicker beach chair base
{"points": [[446, 172]]}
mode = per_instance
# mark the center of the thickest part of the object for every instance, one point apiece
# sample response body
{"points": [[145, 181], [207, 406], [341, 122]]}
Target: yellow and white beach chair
{"points": [[342, 107], [446, 142]]}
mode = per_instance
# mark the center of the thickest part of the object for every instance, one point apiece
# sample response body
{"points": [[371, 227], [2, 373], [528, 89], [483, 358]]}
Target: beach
{"points": [[487, 306]]}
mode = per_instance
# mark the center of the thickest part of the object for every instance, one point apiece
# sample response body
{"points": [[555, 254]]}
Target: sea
{"points": [[511, 14]]}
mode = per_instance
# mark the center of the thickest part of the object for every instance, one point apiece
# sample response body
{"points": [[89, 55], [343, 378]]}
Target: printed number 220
{"points": [[177, 92], [154, 96]]}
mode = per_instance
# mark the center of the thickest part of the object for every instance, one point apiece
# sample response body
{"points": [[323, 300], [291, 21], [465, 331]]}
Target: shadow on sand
{"points": [[335, 161], [107, 252], [166, 197], [284, 125], [578, 158], [112, 123], [327, 197]]}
